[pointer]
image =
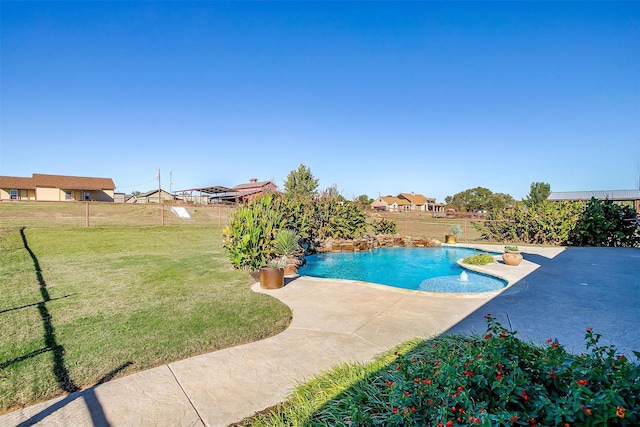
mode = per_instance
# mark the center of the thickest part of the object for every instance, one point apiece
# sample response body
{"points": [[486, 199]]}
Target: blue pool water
{"points": [[424, 269]]}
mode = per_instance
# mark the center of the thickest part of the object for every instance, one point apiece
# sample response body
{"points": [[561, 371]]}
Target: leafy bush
{"points": [[324, 218], [546, 223], [457, 380], [479, 259], [384, 226], [605, 223], [595, 223], [301, 218], [250, 234], [339, 219]]}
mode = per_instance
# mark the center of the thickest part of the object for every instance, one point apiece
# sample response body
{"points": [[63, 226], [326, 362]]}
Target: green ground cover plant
{"points": [[472, 380], [478, 259], [84, 305]]}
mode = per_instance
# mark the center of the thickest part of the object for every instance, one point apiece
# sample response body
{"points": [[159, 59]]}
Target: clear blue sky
{"points": [[375, 97]]}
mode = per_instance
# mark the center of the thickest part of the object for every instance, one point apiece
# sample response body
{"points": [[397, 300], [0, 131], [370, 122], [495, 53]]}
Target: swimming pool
{"points": [[424, 269]]}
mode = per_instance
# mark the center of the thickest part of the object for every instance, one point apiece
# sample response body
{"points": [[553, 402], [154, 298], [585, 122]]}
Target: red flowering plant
{"points": [[494, 379]]}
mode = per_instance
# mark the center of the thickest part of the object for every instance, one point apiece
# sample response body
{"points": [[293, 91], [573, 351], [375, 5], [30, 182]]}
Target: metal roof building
{"points": [[613, 195]]}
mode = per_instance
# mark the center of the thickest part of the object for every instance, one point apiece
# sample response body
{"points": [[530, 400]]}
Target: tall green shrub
{"points": [[384, 226], [301, 184], [301, 217], [250, 234], [339, 219], [548, 223], [605, 223]]}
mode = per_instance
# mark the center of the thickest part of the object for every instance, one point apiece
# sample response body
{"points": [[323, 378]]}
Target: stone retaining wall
{"points": [[373, 242]]}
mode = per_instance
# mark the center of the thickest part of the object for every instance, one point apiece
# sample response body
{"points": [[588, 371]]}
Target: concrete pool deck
{"points": [[554, 293]]}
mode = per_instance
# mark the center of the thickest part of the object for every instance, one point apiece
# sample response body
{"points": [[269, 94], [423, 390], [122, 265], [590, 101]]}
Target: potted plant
{"points": [[455, 231], [272, 275], [512, 255], [287, 247]]}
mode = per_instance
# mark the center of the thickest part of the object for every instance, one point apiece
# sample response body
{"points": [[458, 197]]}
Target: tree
{"points": [[330, 193], [538, 193], [479, 198], [363, 201], [301, 184], [499, 201]]}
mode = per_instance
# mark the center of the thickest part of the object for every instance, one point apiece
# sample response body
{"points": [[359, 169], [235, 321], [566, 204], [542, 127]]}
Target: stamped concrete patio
{"points": [[555, 292]]}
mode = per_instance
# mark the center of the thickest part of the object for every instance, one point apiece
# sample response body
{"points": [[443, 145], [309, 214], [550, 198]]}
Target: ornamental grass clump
{"points": [[490, 380]]}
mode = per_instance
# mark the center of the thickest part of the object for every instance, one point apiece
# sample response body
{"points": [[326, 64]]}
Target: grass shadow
{"points": [[60, 371], [59, 367], [96, 411], [33, 304]]}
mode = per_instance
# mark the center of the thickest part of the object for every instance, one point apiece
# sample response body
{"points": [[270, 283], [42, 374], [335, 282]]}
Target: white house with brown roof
{"points": [[391, 204], [421, 203], [41, 187], [417, 202], [407, 202]]}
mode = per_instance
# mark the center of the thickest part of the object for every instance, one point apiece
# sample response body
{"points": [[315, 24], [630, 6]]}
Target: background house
{"points": [[43, 187], [152, 197], [254, 188], [407, 202], [385, 204], [417, 202], [246, 191], [220, 194]]}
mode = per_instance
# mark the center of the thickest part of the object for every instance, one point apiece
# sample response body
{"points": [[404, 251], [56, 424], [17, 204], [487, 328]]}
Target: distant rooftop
{"points": [[600, 195], [213, 189]]}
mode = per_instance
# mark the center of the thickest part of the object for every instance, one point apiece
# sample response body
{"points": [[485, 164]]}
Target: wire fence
{"points": [[104, 214], [425, 224]]}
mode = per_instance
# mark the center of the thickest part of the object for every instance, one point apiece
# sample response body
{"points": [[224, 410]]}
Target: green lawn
{"points": [[83, 305]]}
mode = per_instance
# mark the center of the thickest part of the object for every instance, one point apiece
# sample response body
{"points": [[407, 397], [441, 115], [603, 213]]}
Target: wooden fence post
{"points": [[465, 230]]}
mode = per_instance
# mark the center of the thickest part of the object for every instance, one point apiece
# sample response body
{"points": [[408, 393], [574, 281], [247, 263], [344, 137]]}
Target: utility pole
{"points": [[160, 200]]}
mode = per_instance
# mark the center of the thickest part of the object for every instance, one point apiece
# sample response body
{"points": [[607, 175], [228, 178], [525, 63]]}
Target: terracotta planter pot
{"points": [[271, 277], [450, 238], [512, 258]]}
